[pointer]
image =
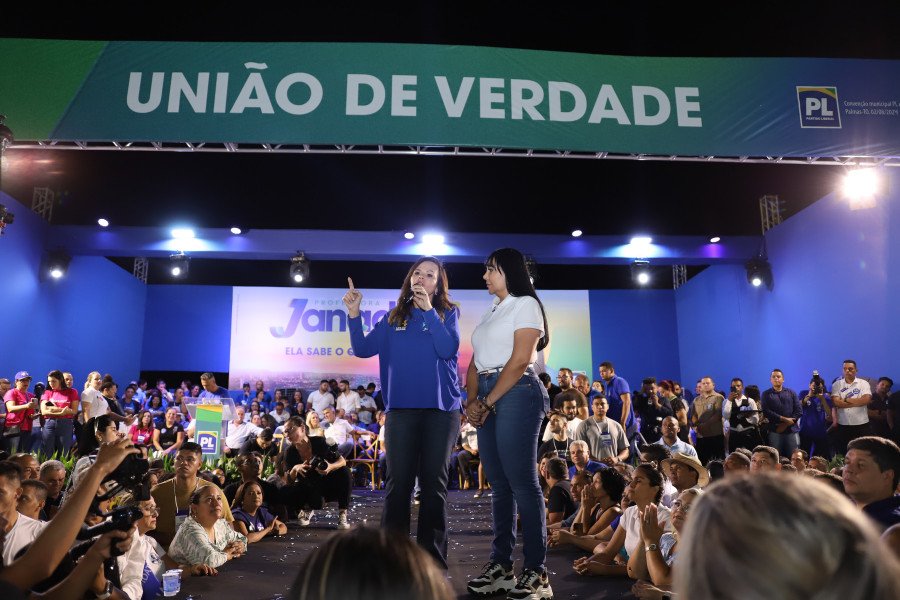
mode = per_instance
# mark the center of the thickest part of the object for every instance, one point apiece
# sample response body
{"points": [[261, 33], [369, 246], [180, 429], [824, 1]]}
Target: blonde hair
{"points": [[310, 431], [87, 382], [808, 541]]}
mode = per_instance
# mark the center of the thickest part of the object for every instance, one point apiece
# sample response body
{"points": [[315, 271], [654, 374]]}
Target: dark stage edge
{"points": [[267, 571]]}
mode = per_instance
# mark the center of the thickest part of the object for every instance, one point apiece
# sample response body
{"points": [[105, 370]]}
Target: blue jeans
{"points": [[57, 436], [507, 443], [418, 442], [785, 443]]}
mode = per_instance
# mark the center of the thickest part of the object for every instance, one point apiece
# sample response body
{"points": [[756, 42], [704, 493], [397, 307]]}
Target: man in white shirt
{"points": [[367, 406], [20, 530], [347, 401], [851, 397], [321, 398], [669, 439], [568, 400], [280, 414], [238, 431], [338, 432]]}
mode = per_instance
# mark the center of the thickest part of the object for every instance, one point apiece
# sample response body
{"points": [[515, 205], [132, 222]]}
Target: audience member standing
{"points": [[851, 397], [20, 408], [59, 405], [604, 436], [740, 419], [816, 419], [618, 394], [706, 417], [781, 407], [417, 344], [320, 398]]}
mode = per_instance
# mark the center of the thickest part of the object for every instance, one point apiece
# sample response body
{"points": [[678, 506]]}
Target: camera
{"points": [[131, 476], [318, 463], [818, 384], [734, 389]]}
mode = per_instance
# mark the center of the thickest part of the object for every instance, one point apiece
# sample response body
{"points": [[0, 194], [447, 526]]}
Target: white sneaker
{"points": [[342, 521], [531, 585], [304, 518], [494, 579]]}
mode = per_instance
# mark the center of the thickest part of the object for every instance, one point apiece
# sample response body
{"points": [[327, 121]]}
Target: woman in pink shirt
{"points": [[141, 433], [59, 405]]}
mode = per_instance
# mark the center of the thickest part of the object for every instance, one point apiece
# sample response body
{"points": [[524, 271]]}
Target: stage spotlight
{"points": [[640, 272], [58, 264], [179, 263], [433, 239], [236, 230], [861, 187], [299, 268], [715, 239], [182, 233], [577, 233], [102, 222], [759, 273], [409, 235], [642, 240]]}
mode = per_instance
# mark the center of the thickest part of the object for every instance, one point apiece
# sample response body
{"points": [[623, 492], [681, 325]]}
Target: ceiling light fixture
{"points": [[179, 264], [577, 233], [236, 230], [409, 235], [102, 222], [299, 270], [58, 264], [640, 272], [715, 239], [182, 233]]}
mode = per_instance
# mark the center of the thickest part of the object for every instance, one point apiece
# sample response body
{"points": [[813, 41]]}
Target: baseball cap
{"points": [[22, 375]]}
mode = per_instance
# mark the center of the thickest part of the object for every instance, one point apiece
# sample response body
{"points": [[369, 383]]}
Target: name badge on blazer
{"points": [[400, 328]]}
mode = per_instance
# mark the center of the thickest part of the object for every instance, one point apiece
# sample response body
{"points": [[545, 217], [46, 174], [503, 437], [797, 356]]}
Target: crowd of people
{"points": [[803, 486]]}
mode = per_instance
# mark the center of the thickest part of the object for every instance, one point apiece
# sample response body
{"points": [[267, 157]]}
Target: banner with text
{"points": [[396, 94], [294, 337]]}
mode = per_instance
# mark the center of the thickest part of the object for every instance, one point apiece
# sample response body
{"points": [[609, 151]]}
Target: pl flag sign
{"points": [[294, 337], [396, 94]]}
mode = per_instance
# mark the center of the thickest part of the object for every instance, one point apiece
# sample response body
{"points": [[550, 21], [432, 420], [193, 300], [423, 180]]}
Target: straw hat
{"points": [[689, 461]]}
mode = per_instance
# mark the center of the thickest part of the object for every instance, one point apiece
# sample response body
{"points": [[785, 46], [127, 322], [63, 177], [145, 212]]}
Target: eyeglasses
{"points": [[152, 512], [678, 505]]}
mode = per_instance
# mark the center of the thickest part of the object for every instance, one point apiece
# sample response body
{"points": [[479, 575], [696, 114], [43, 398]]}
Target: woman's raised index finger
{"points": [[350, 283]]}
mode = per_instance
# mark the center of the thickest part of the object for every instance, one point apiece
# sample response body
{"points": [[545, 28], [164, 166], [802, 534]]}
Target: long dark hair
{"points": [[87, 442], [58, 375], [511, 263], [441, 301]]}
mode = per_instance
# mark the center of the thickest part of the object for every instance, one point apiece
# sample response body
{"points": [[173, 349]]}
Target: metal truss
{"points": [[42, 201], [679, 276], [845, 161], [141, 268], [769, 212]]}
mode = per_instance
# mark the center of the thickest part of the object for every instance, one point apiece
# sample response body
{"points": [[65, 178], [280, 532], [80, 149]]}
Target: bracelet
{"points": [[488, 407]]}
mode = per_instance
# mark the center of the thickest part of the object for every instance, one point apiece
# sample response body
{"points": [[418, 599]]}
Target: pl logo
{"points": [[819, 108], [209, 442]]}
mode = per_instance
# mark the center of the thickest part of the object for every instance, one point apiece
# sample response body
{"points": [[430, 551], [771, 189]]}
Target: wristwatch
{"points": [[107, 591], [651, 548]]}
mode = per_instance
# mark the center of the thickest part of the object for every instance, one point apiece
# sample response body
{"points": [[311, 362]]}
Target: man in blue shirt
{"points": [[618, 394], [581, 459], [782, 408], [816, 419], [210, 389]]}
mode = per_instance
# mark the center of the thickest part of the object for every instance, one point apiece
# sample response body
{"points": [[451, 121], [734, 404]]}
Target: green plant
{"points": [[838, 461]]}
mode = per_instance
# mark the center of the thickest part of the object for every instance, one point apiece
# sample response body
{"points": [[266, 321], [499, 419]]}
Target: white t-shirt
{"points": [[365, 416], [469, 436], [238, 434], [493, 339], [93, 404], [631, 521], [858, 415], [338, 431], [144, 551], [319, 401], [348, 402], [571, 426], [24, 532]]}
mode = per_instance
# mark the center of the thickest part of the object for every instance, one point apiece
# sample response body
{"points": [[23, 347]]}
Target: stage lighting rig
{"points": [[57, 264], [759, 273], [640, 272], [299, 268], [179, 264]]}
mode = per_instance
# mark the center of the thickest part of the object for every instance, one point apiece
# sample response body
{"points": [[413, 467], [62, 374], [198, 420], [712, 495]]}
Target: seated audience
{"points": [[645, 488], [205, 537], [263, 443], [560, 504], [655, 555], [667, 390], [249, 467], [802, 539], [251, 519], [313, 424], [338, 431], [19, 529], [32, 499], [819, 463], [685, 472], [238, 431], [559, 438], [168, 438], [280, 413], [468, 436], [315, 473], [799, 459], [173, 496], [95, 432], [404, 571], [871, 475], [764, 458], [31, 469], [142, 431], [141, 568], [581, 461], [600, 507], [53, 474], [670, 440]]}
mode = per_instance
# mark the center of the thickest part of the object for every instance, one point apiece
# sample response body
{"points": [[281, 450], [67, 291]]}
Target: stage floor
{"points": [[269, 568]]}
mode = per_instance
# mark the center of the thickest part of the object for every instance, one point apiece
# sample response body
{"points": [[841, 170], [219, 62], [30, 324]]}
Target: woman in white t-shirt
{"points": [[93, 404], [507, 402]]}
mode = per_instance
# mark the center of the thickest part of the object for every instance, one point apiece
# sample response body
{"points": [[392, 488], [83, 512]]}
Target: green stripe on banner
{"points": [[208, 429], [38, 80]]}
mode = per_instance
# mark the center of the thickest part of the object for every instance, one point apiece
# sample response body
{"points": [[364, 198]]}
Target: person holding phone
{"points": [[418, 346], [59, 405]]}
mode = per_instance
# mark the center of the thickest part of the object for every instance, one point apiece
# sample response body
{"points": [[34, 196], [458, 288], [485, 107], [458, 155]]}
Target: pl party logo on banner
{"points": [[819, 107], [293, 338]]}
